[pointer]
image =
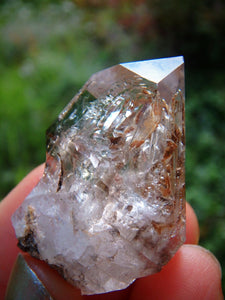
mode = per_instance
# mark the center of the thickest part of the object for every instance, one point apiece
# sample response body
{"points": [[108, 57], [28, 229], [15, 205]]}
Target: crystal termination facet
{"points": [[111, 204]]}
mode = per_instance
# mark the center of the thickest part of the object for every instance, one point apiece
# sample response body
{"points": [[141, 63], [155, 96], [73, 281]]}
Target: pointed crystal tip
{"points": [[156, 69]]}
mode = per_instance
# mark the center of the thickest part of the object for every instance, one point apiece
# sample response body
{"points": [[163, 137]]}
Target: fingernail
{"points": [[24, 283]]}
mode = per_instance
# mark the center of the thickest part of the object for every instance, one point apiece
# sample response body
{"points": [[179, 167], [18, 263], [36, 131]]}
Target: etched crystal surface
{"points": [[111, 204]]}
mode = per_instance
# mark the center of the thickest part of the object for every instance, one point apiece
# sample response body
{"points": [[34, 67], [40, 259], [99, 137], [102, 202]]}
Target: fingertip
{"points": [[18, 194], [8, 241], [192, 227], [193, 273], [206, 270], [208, 261]]}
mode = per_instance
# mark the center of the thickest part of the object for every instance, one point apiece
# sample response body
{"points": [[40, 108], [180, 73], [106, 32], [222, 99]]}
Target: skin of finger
{"points": [[192, 227], [7, 235], [8, 241], [193, 273]]}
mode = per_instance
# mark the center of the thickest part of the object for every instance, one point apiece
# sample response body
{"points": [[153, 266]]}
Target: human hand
{"points": [[193, 273]]}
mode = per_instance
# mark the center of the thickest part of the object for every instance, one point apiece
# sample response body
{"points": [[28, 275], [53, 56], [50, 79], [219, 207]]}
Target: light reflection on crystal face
{"points": [[110, 119], [114, 181]]}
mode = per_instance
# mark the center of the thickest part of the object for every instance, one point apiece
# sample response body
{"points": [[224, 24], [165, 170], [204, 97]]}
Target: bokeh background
{"points": [[48, 49]]}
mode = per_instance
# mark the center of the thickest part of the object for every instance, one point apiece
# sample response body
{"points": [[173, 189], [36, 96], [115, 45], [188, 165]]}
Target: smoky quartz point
{"points": [[110, 206]]}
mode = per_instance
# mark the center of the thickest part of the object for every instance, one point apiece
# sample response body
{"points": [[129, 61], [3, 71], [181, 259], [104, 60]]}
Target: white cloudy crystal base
{"points": [[110, 207]]}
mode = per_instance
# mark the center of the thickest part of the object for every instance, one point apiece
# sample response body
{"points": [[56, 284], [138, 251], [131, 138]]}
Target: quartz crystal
{"points": [[110, 206]]}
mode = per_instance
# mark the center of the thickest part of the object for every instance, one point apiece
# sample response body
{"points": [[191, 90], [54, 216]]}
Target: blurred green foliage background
{"points": [[48, 49]]}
